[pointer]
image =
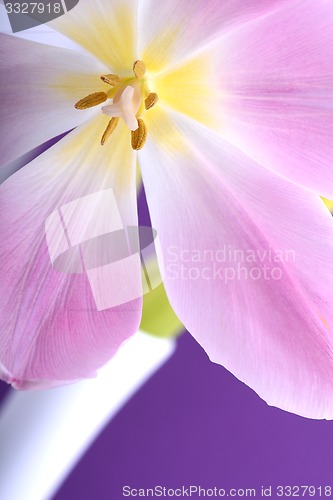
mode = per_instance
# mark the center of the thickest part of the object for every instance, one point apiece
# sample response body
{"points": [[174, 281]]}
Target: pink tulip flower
{"points": [[227, 108]]}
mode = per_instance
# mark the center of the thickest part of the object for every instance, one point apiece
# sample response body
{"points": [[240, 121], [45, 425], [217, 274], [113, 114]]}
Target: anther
{"points": [[139, 136], [151, 100], [91, 100], [139, 69], [112, 80], [109, 129]]}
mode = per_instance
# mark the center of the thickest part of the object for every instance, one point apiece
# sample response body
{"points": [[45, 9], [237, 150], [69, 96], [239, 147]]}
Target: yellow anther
{"points": [[139, 69], [129, 98], [139, 136], [91, 100], [112, 80], [109, 130], [151, 100]]}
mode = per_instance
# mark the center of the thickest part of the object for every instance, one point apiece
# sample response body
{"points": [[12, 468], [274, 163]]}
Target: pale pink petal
{"points": [[175, 29], [276, 97], [248, 263], [52, 328], [39, 86]]}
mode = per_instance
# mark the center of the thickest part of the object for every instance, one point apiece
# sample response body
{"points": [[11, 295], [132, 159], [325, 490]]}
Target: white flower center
{"points": [[129, 97]]}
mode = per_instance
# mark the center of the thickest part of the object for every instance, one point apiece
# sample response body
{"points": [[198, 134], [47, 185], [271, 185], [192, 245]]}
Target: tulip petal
{"points": [[276, 79], [176, 29], [106, 29], [40, 85], [50, 329], [247, 263]]}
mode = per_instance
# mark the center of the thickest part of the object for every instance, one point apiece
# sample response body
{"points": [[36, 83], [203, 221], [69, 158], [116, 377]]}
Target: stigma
{"points": [[128, 99]]}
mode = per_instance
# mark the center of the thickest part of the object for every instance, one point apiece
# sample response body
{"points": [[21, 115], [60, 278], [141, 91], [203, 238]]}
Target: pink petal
{"points": [[39, 88], [176, 29], [248, 263], [50, 329], [276, 76], [165, 32]]}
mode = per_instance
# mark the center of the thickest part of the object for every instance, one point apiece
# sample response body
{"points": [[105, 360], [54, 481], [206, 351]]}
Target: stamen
{"points": [[91, 100], [139, 69], [112, 80], [128, 99], [151, 100], [139, 136], [109, 130]]}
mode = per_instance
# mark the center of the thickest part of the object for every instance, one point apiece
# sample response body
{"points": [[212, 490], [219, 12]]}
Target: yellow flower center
{"points": [[129, 99]]}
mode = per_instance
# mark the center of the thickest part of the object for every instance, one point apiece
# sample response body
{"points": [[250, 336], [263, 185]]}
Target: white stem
{"points": [[44, 434]]}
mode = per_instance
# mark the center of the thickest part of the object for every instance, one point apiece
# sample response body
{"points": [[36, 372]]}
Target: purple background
{"points": [[193, 422]]}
